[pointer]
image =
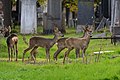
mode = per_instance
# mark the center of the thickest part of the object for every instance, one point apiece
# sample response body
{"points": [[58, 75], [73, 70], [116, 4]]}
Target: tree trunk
{"points": [[7, 12], [67, 16], [17, 9]]}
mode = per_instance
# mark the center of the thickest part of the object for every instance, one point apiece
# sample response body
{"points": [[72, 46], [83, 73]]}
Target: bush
{"points": [[14, 31]]}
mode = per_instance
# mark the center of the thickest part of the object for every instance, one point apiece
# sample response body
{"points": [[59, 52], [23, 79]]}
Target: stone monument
{"points": [[28, 16]]}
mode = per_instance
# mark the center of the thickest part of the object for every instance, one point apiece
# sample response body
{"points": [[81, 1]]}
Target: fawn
{"points": [[79, 43], [12, 40], [34, 53], [46, 43]]}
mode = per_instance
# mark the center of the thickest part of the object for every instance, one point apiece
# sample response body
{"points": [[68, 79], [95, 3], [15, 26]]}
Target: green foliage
{"points": [[97, 1], [14, 31], [72, 4], [106, 70], [42, 2], [13, 2]]}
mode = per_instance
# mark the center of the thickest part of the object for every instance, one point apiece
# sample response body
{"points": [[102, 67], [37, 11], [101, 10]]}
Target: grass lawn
{"points": [[108, 67]]}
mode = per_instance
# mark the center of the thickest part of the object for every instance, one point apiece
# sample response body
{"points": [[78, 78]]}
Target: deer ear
{"points": [[83, 27], [55, 29], [86, 26]]}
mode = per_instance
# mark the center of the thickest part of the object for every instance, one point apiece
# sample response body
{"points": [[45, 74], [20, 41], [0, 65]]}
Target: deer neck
{"points": [[87, 37], [54, 40]]}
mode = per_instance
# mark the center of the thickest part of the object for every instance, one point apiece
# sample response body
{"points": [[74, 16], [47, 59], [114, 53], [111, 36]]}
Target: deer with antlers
{"points": [[79, 43], [46, 43], [12, 40]]}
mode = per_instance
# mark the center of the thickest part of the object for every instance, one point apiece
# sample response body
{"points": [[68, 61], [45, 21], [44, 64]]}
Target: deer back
{"points": [[80, 42], [45, 42], [12, 39]]}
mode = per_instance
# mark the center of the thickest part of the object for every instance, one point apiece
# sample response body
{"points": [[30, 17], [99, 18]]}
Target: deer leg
{"points": [[35, 54], [57, 52], [32, 53], [77, 51], [11, 53], [8, 53], [48, 54], [66, 54], [30, 47], [69, 52], [16, 51], [83, 55]]}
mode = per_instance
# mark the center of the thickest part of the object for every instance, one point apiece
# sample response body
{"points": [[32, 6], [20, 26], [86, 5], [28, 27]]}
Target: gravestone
{"points": [[115, 20], [54, 16], [85, 13], [28, 16], [104, 23]]}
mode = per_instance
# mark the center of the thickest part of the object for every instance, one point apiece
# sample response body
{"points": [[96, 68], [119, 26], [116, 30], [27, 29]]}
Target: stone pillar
{"points": [[116, 13], [54, 15], [112, 14], [28, 16], [85, 13], [119, 11]]}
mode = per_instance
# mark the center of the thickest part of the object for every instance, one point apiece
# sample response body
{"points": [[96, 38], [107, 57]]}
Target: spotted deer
{"points": [[12, 40], [79, 43], [46, 43]]}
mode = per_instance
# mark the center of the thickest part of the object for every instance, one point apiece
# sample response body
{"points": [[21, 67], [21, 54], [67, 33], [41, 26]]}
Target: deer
{"points": [[47, 43], [79, 43], [34, 53], [12, 40], [61, 46]]}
